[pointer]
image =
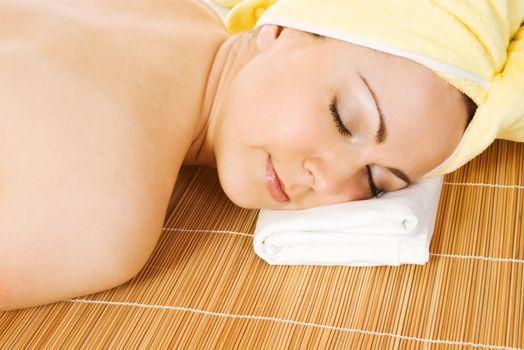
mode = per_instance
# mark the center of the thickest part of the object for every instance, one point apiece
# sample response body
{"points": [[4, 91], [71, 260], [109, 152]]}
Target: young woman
{"points": [[103, 101]]}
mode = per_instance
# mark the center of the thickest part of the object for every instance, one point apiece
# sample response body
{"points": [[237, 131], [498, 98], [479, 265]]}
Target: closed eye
{"points": [[372, 186], [333, 108]]}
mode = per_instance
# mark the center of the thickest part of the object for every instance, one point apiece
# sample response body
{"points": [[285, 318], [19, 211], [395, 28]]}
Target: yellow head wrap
{"points": [[477, 46]]}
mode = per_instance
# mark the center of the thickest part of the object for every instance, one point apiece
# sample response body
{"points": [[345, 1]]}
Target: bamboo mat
{"points": [[205, 288]]}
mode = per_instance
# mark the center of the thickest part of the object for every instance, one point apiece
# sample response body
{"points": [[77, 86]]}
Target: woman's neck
{"points": [[232, 55]]}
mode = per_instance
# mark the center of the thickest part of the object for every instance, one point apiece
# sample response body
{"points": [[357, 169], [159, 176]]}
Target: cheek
{"points": [[239, 146], [238, 183], [279, 117], [4, 292], [246, 104], [268, 104]]}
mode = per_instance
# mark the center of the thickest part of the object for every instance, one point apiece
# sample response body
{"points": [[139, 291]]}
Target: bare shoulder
{"points": [[81, 118], [89, 149], [66, 143], [82, 135]]}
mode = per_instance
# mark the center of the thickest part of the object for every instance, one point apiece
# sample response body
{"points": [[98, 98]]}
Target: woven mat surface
{"points": [[204, 288]]}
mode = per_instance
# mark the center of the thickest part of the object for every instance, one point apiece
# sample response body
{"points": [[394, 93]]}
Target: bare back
{"points": [[96, 102], [97, 107]]}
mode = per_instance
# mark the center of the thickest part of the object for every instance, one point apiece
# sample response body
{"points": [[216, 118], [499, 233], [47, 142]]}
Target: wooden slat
{"points": [[205, 288]]}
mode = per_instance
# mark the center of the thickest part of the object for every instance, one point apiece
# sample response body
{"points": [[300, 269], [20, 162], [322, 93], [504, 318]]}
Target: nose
{"points": [[329, 176]]}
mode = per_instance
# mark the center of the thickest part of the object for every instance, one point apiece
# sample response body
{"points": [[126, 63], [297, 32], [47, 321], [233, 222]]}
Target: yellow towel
{"points": [[477, 46]]}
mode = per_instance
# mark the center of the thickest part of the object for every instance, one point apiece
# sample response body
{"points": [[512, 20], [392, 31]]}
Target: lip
{"points": [[273, 183]]}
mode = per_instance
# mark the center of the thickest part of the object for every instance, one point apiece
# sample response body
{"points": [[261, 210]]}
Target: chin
{"points": [[240, 201], [236, 190]]}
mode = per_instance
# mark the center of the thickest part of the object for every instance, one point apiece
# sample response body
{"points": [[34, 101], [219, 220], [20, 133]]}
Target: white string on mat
{"points": [[295, 322], [486, 258], [457, 256], [204, 231], [475, 184]]}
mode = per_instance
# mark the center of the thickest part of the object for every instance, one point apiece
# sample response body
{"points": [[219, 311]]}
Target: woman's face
{"points": [[282, 105]]}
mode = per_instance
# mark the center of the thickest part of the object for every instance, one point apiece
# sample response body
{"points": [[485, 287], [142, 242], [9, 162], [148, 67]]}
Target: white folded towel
{"points": [[392, 230]]}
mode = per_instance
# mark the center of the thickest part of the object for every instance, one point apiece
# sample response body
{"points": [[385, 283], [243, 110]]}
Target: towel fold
{"points": [[392, 230]]}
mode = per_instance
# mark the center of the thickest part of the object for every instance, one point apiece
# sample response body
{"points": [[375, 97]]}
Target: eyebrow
{"points": [[380, 136], [400, 174]]}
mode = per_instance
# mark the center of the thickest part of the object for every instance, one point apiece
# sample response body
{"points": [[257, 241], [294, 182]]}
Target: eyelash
{"points": [[345, 132], [336, 117], [374, 190]]}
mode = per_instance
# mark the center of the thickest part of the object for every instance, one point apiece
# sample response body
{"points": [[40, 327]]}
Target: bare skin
{"points": [[99, 107], [102, 102]]}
